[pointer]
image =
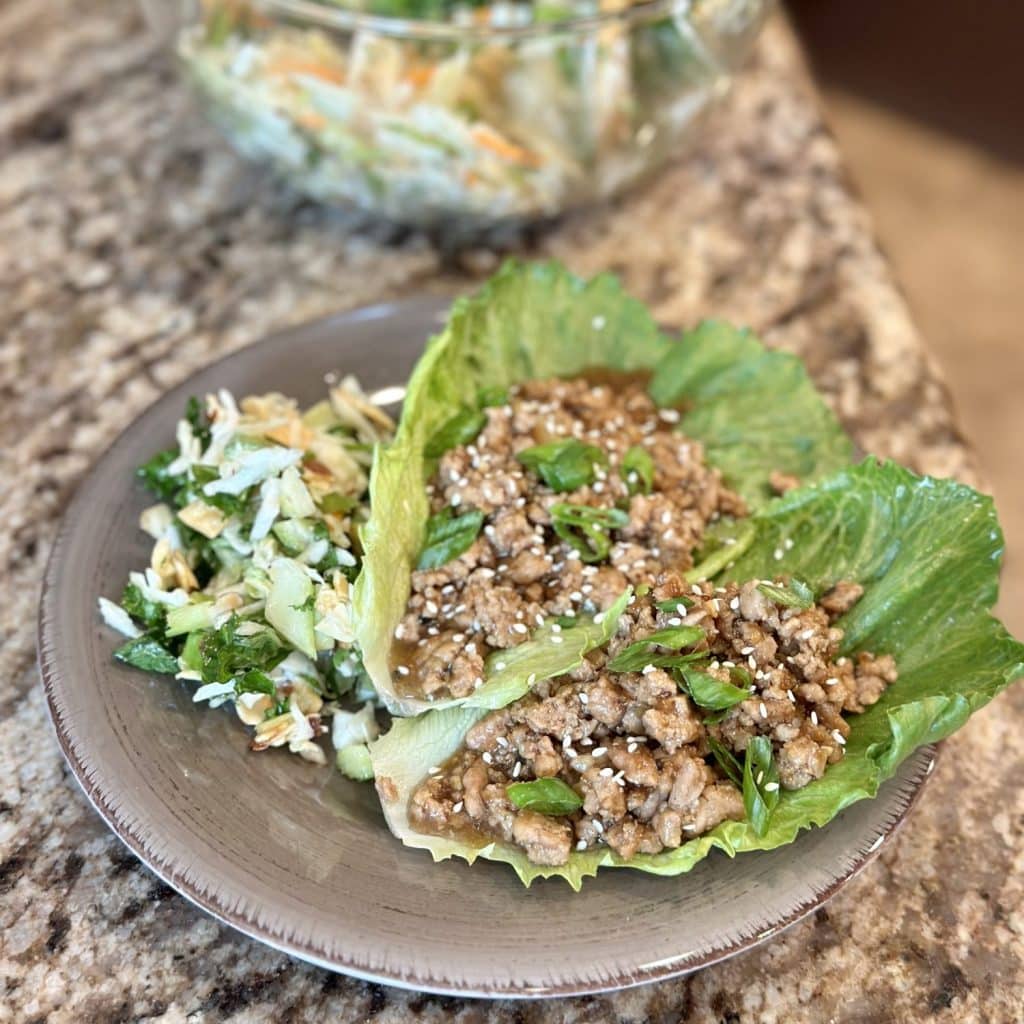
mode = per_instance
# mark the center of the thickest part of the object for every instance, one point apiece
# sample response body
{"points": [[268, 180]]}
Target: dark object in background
{"points": [[952, 64]]}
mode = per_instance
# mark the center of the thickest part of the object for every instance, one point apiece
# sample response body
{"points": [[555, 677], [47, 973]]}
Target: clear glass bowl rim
{"points": [[341, 19]]}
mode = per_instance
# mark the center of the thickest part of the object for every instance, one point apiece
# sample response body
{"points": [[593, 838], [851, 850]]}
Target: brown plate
{"points": [[299, 857]]}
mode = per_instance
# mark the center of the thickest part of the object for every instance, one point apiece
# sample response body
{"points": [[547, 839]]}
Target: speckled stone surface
{"points": [[134, 247]]}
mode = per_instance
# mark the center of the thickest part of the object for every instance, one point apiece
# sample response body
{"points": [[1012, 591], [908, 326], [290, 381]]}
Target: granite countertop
{"points": [[136, 247]]}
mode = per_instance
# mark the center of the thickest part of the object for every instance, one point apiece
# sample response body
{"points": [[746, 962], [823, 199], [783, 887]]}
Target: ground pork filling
{"points": [[519, 571], [635, 747]]}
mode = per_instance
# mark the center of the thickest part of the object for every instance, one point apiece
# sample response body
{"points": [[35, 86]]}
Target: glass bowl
{"points": [[436, 114]]}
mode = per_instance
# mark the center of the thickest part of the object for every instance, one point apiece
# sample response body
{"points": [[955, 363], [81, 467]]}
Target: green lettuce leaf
{"points": [[926, 551], [538, 320], [755, 410]]}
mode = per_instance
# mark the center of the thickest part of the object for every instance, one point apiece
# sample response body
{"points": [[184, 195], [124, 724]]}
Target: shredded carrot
{"points": [[290, 66], [420, 75], [498, 144], [311, 120]]}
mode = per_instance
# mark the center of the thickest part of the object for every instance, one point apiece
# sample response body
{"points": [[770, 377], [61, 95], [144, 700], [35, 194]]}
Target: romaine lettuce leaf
{"points": [[538, 320], [927, 552]]}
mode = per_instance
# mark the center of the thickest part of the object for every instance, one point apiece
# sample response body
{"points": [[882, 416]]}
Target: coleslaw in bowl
{"points": [[461, 116]]}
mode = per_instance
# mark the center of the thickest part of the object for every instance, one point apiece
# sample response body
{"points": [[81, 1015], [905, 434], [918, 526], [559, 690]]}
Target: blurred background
{"points": [[926, 99]]}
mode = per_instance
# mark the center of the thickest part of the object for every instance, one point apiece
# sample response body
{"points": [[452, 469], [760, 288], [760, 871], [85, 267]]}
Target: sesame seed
{"points": [[502, 742], [666, 517], [575, 596], [586, 742], [458, 638], [619, 781], [433, 631], [728, 664], [456, 500], [788, 544], [771, 787], [814, 718], [675, 621], [599, 618], [570, 751], [518, 627], [599, 827], [751, 664], [839, 737], [792, 696], [647, 670], [599, 751], [517, 768], [539, 619], [689, 828], [747, 650], [631, 748], [669, 415], [430, 608], [584, 699], [531, 679], [696, 589], [471, 648], [434, 769], [557, 639], [763, 710], [606, 773], [734, 604], [487, 758], [556, 628], [499, 665], [403, 670], [502, 566], [457, 807], [581, 845], [586, 588], [806, 634], [831, 681], [760, 777], [777, 554]]}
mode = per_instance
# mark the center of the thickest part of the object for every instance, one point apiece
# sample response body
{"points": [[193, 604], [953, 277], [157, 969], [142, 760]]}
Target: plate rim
{"points": [[919, 765]]}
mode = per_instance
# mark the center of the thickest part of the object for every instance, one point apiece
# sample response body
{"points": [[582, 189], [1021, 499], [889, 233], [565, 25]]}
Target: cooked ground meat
{"points": [[634, 746], [519, 571]]}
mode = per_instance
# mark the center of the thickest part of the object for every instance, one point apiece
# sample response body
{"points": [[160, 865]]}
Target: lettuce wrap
{"points": [[756, 411], [927, 552]]}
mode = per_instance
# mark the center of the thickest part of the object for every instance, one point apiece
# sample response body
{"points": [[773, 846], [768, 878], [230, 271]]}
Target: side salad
{"points": [[247, 592], [483, 128]]}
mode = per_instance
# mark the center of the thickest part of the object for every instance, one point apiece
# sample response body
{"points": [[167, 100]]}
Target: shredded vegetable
{"points": [[255, 547]]}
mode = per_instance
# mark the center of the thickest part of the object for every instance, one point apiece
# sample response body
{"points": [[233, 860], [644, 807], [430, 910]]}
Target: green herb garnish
{"points": [[545, 796], [727, 761], [639, 654], [147, 653], [155, 477], [564, 465], [708, 692], [225, 652], [151, 613], [585, 529], [448, 536], [760, 783], [638, 470], [462, 428]]}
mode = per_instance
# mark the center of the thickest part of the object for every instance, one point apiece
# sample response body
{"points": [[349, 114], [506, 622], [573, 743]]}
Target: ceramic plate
{"points": [[299, 857]]}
